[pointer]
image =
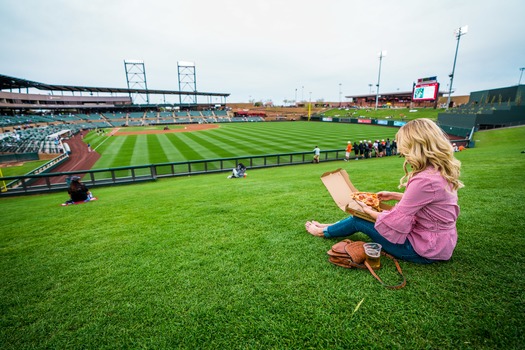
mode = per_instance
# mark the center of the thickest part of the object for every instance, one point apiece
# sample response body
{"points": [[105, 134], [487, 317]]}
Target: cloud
{"points": [[265, 49]]}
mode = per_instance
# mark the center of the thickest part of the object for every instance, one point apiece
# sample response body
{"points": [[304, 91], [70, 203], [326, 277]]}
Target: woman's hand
{"points": [[368, 210], [386, 196]]}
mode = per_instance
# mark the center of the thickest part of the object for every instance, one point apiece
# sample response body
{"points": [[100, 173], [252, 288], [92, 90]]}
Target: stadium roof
{"points": [[7, 82]]}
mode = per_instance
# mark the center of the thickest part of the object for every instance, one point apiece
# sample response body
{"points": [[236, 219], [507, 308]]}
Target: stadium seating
{"points": [[29, 133]]}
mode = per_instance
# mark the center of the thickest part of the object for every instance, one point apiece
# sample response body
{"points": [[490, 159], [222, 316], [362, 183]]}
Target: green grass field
{"points": [[383, 113], [229, 140], [203, 262], [25, 168]]}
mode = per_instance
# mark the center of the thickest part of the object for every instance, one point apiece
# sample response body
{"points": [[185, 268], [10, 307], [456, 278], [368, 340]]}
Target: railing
{"points": [[48, 182]]}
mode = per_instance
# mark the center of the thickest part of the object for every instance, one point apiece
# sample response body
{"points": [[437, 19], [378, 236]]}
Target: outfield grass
{"points": [[206, 262], [383, 113], [229, 140], [22, 169]]}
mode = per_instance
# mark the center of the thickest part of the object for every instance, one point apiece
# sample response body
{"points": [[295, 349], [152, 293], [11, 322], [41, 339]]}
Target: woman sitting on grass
{"points": [[239, 171], [421, 228], [78, 192]]}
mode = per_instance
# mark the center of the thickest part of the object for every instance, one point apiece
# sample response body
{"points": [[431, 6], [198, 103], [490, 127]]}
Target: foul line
{"points": [[114, 131]]}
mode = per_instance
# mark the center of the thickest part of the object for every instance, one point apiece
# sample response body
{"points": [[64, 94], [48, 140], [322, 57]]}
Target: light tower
{"points": [[187, 82], [340, 93], [381, 55], [458, 33], [136, 79]]}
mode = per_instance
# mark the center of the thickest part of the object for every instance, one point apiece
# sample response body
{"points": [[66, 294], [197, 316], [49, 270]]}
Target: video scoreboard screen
{"points": [[426, 89]]}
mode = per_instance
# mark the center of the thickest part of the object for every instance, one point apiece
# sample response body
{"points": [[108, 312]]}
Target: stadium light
{"points": [[340, 101], [381, 55], [458, 33], [134, 61], [521, 74], [186, 64]]}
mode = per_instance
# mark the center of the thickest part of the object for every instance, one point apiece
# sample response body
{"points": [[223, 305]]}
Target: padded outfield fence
{"points": [[48, 182]]}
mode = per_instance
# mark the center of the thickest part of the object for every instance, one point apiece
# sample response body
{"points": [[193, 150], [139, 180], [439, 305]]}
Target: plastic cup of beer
{"points": [[373, 254]]}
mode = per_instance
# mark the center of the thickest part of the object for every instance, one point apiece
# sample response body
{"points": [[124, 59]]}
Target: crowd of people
{"points": [[365, 149], [372, 149]]}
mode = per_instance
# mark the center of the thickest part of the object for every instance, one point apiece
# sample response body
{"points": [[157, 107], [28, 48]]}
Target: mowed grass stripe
{"points": [[156, 151], [185, 146], [274, 139], [292, 137], [202, 151], [141, 152], [110, 151], [169, 149], [252, 143], [177, 154], [218, 148], [255, 141], [336, 135], [325, 135], [126, 152], [101, 144], [282, 138], [237, 141], [94, 140], [228, 143]]}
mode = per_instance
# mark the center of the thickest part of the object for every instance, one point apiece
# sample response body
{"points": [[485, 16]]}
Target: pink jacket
{"points": [[426, 215]]}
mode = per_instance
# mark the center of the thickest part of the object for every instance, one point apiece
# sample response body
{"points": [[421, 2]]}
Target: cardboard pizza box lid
{"points": [[340, 187]]}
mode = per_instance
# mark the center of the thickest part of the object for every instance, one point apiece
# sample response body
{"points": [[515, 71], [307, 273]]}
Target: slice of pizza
{"points": [[368, 198]]}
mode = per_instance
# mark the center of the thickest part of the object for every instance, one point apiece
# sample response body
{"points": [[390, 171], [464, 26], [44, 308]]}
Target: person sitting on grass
{"points": [[78, 192], [421, 227], [239, 171]]}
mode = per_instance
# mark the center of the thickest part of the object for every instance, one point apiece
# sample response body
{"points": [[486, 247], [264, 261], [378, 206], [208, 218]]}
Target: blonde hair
{"points": [[424, 144]]}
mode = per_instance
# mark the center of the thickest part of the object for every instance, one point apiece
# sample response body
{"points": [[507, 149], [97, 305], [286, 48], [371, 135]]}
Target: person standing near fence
{"points": [[348, 151], [317, 154]]}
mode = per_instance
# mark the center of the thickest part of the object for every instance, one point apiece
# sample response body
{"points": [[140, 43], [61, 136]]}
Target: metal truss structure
{"points": [[136, 79], [187, 83]]}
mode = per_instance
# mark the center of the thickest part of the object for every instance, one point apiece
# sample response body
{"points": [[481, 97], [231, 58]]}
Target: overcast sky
{"points": [[266, 49]]}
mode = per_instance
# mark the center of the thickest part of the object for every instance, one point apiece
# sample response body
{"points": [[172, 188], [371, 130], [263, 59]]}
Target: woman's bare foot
{"points": [[314, 229], [318, 224]]}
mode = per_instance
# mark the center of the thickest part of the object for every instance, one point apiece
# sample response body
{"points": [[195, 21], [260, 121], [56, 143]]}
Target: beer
{"points": [[374, 260], [373, 254]]}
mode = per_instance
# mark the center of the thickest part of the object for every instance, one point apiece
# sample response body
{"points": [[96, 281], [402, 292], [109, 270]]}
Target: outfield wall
{"points": [[366, 121]]}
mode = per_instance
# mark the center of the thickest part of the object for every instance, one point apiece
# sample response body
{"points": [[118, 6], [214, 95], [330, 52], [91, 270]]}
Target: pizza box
{"points": [[338, 183]]}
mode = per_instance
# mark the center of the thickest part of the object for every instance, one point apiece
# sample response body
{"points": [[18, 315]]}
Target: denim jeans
{"points": [[351, 225]]}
